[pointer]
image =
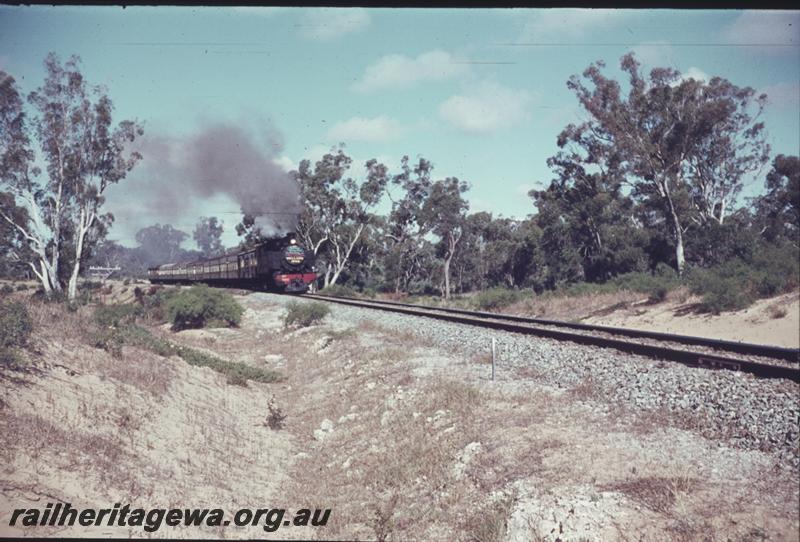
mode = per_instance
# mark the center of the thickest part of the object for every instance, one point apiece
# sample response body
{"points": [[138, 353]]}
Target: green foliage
{"points": [[15, 332], [338, 290], [777, 212], [726, 287], [736, 284], [208, 235], [495, 298], [370, 293], [154, 303], [15, 325], [116, 315], [655, 285], [118, 328], [305, 314], [22, 287], [236, 372], [10, 357], [109, 339], [200, 305], [6, 289]]}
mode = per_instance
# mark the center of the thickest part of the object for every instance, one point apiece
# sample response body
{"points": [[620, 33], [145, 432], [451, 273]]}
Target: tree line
{"points": [[651, 180]]}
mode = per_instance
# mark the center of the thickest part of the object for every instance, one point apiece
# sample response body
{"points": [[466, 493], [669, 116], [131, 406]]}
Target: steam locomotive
{"points": [[277, 264]]}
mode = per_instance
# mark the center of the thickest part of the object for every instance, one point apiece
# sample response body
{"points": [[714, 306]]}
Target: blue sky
{"points": [[480, 93]]}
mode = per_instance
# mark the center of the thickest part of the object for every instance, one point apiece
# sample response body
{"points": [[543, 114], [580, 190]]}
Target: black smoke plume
{"points": [[220, 158]]}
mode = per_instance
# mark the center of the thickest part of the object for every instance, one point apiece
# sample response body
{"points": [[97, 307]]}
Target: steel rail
{"points": [[767, 351], [686, 357]]}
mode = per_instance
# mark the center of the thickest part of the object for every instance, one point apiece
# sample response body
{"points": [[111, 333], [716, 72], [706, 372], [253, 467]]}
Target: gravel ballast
{"points": [[746, 411]]}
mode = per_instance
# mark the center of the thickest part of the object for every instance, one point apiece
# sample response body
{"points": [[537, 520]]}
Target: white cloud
{"points": [[768, 28], [381, 128], [285, 163], [548, 25], [783, 95], [486, 108], [696, 73], [692, 73], [400, 71], [329, 23]]}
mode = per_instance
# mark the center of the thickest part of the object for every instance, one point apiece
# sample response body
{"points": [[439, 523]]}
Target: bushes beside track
{"points": [[201, 306], [304, 314]]}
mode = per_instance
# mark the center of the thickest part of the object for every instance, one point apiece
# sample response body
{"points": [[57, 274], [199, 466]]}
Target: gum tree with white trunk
{"points": [[81, 155]]}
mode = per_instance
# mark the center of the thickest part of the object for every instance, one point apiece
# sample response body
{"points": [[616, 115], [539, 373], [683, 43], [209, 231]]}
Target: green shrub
{"points": [[370, 293], [656, 285], [201, 305], [237, 373], [110, 340], [116, 315], [723, 288], [15, 325], [15, 332], [495, 298], [338, 290], [305, 314], [22, 287], [737, 283], [6, 289], [154, 303], [779, 268]]}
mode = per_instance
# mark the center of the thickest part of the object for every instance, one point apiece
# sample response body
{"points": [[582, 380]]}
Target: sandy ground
{"points": [[85, 428], [773, 321], [400, 439]]}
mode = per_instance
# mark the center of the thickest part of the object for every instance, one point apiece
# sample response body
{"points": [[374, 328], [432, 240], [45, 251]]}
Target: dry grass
{"points": [[777, 311], [64, 335], [586, 390], [660, 494], [574, 308], [396, 471], [390, 467], [489, 523], [410, 457], [67, 446]]}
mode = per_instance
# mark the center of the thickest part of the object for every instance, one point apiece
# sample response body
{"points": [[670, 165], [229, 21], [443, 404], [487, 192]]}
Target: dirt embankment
{"points": [[773, 321], [398, 437]]}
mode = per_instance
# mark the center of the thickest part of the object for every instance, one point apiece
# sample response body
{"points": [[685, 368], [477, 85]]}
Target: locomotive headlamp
{"points": [[292, 241]]}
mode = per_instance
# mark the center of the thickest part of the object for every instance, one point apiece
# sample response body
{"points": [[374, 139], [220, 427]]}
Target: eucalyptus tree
{"points": [[337, 208], [82, 154], [208, 236], [14, 250], [585, 205], [405, 230], [683, 144], [444, 214], [161, 244], [778, 210]]}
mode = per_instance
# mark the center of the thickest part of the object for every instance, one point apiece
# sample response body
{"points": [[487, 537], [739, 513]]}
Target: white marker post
{"points": [[494, 348]]}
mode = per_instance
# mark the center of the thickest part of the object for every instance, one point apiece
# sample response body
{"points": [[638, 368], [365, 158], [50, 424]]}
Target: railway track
{"points": [[760, 360]]}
